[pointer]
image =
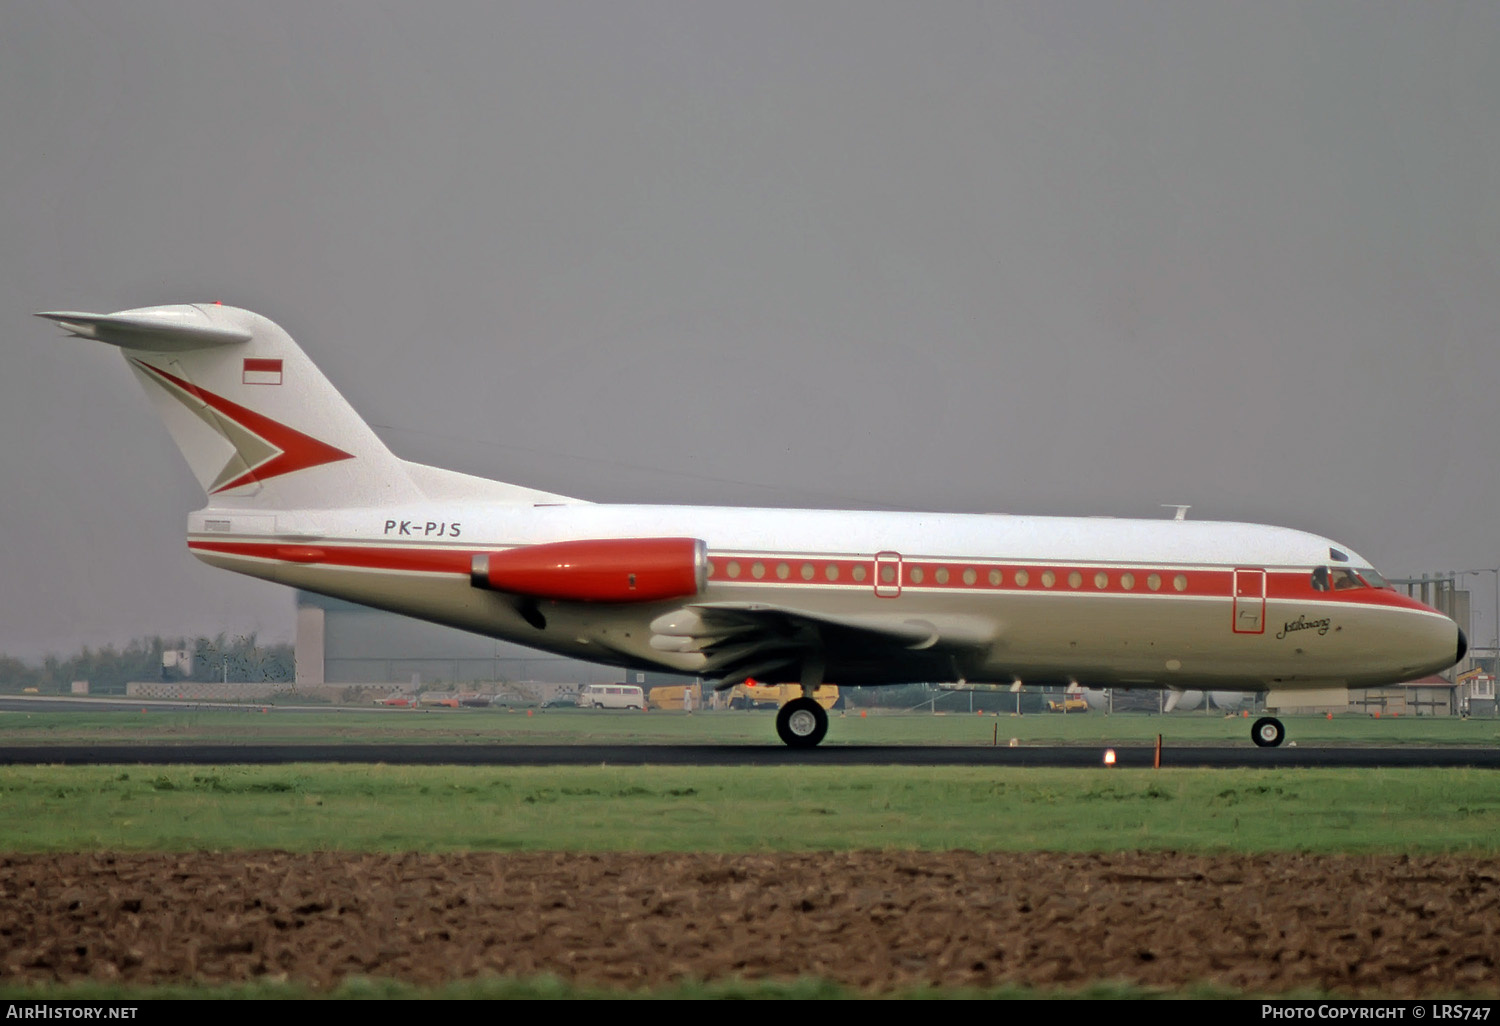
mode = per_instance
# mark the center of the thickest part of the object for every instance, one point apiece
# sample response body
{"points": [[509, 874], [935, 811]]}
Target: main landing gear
{"points": [[802, 723], [1268, 732]]}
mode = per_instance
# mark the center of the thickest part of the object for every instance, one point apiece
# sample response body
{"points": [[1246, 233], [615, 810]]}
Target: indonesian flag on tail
{"points": [[262, 372]]}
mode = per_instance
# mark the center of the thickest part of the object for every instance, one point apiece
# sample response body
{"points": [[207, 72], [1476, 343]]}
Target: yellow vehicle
{"points": [[676, 696], [754, 695], [827, 695], [1067, 703], [757, 696]]}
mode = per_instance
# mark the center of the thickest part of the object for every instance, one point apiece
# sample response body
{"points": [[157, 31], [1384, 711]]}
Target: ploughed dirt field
{"points": [[876, 921]]}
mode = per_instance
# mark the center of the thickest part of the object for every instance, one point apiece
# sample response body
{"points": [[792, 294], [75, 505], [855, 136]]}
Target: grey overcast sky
{"points": [[1052, 257]]}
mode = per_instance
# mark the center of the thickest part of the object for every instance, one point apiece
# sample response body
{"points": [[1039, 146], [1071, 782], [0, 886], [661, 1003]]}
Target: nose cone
{"points": [[1433, 645]]}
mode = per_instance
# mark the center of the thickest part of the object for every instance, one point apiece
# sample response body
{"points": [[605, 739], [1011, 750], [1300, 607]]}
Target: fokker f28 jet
{"points": [[302, 492]]}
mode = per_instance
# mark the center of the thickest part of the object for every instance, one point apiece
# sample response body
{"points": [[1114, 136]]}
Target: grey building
{"points": [[341, 642]]}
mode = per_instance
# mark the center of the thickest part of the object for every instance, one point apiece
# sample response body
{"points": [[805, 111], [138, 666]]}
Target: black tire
{"points": [[1268, 732], [802, 723]]}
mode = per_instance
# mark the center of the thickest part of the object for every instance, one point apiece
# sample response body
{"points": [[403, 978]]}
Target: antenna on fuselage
{"points": [[1181, 509]]}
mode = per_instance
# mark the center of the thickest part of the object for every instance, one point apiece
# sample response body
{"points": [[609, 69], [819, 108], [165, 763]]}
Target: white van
{"points": [[612, 696]]}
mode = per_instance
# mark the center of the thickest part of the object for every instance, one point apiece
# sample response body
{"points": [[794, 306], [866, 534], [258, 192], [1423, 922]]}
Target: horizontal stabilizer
{"points": [[166, 330]]}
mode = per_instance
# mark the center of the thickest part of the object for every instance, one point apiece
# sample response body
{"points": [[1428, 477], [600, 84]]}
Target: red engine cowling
{"points": [[601, 570]]}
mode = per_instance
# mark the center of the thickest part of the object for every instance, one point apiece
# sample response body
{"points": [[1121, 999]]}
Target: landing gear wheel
{"points": [[802, 723], [1267, 732]]}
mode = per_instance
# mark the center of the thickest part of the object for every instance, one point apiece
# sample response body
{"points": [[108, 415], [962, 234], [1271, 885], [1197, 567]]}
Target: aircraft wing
{"points": [[738, 640]]}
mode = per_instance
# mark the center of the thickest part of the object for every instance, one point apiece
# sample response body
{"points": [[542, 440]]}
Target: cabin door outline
{"points": [[1249, 601], [887, 565]]}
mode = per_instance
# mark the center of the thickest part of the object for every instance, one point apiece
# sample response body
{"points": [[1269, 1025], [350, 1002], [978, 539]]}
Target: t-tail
{"points": [[258, 423]]}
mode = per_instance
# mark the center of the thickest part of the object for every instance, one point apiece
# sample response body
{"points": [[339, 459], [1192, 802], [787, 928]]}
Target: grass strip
{"points": [[311, 807]]}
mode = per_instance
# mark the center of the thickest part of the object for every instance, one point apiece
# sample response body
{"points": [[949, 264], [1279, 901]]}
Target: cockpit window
{"points": [[1341, 578], [1345, 579]]}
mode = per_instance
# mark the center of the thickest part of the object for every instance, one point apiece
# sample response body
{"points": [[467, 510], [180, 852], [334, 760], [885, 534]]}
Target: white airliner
{"points": [[302, 492]]}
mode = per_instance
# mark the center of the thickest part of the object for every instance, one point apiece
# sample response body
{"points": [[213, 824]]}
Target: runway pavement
{"points": [[740, 755], [1241, 755]]}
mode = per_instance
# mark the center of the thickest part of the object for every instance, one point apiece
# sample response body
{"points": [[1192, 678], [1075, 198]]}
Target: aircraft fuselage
{"points": [[982, 598]]}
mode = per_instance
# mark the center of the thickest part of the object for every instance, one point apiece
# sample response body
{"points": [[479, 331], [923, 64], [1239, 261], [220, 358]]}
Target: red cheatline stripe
{"points": [[1374, 597], [959, 576], [439, 561], [1280, 584], [1293, 584]]}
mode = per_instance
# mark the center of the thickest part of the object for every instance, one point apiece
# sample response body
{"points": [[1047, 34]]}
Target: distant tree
{"points": [[16, 674], [242, 660], [108, 670]]}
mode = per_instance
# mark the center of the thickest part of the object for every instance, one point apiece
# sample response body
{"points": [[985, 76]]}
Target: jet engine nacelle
{"points": [[602, 570]]}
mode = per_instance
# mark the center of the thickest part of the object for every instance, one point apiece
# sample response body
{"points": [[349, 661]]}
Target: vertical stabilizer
{"points": [[258, 423]]}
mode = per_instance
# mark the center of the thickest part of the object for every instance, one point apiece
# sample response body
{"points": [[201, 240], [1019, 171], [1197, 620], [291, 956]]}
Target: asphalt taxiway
{"points": [[1238, 755], [1056, 756]]}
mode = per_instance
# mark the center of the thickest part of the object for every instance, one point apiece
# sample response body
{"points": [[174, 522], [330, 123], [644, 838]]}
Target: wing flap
{"points": [[740, 639]]}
